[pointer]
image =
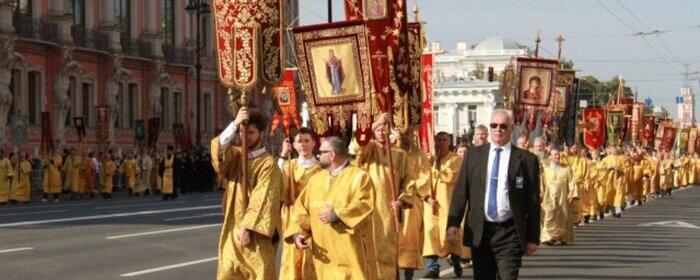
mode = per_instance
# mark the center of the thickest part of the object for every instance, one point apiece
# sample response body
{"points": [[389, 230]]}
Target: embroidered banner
{"points": [[594, 128], [334, 67], [411, 110], [668, 138], [249, 41], [140, 133], [153, 132], [19, 129], [46, 134], [286, 97], [648, 131], [615, 127], [635, 126], [102, 129], [426, 131]]}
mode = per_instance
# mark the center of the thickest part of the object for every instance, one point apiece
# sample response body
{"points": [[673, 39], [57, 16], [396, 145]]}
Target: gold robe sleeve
{"points": [[353, 212], [264, 199]]}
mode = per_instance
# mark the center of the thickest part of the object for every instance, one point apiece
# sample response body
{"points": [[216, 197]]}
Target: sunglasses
{"points": [[503, 126], [320, 152]]}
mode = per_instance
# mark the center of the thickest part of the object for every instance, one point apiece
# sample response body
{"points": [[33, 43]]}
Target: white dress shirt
{"points": [[305, 163], [502, 200]]}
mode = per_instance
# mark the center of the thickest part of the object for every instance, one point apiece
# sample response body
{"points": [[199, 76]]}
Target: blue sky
{"points": [[598, 43]]}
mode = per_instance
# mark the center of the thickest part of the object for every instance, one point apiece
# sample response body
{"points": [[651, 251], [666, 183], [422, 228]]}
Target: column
{"points": [[150, 30], [6, 26], [108, 24], [57, 14]]}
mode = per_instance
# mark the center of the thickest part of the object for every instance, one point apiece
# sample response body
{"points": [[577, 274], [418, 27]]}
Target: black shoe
{"points": [[586, 219], [408, 274], [457, 269], [617, 215], [432, 274]]}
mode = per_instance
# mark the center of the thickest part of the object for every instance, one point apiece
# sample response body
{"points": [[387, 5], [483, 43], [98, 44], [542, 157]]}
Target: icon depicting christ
{"points": [[334, 72]]}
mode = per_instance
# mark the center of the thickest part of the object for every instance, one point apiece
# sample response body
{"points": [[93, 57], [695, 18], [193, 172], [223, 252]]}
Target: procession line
{"points": [[137, 205], [16, 250], [107, 216], [192, 217], [33, 213], [161, 231], [167, 267]]}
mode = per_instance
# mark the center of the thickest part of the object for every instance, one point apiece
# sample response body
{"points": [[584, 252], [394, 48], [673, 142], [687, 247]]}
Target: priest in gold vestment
{"points": [[333, 217], [372, 158], [615, 168], [296, 263], [249, 235], [558, 192], [437, 206]]}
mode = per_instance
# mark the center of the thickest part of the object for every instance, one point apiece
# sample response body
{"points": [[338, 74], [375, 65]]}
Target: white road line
{"points": [[16, 250], [42, 205], [192, 217], [140, 204], [167, 267], [107, 216], [161, 231], [32, 213]]}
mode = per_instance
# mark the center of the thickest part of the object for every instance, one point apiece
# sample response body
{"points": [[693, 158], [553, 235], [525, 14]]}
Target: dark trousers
{"points": [[499, 256]]}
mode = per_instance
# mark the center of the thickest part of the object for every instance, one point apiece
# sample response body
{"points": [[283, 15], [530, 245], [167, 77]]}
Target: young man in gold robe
{"points": [[6, 173], [20, 181], [445, 172], [333, 217], [130, 169], [168, 187], [595, 187], [558, 192], [615, 168], [666, 174], [76, 163], [577, 161], [108, 170], [296, 263], [52, 182], [249, 235], [145, 165], [372, 158]]}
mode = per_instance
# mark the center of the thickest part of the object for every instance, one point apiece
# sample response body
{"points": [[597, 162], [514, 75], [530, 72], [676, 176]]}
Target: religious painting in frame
{"points": [[615, 123], [375, 9], [669, 138], [334, 68], [19, 129], [648, 130], [594, 128], [283, 95], [537, 81]]}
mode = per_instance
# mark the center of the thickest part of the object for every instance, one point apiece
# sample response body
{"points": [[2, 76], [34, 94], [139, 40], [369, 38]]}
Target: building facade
{"points": [[137, 57], [686, 107], [464, 92]]}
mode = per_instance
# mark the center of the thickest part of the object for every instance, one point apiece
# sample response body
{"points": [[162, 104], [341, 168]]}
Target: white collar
{"points": [[256, 153], [338, 170], [504, 148], [308, 162]]}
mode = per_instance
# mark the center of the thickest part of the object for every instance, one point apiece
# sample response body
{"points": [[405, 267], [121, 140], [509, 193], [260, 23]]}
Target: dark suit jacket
{"points": [[471, 188]]}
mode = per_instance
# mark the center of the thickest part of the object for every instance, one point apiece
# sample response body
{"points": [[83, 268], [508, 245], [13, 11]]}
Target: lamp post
{"points": [[198, 8]]}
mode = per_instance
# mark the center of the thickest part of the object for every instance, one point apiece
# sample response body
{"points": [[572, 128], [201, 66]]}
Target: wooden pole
{"points": [[244, 150], [330, 11]]}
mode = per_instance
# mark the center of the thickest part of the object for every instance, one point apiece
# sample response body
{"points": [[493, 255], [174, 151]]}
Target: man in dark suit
{"points": [[501, 184]]}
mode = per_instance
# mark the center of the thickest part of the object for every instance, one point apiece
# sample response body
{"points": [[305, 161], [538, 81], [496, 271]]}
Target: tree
{"points": [[478, 72]]}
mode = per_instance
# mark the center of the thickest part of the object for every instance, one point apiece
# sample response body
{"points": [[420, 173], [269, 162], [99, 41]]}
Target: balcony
{"points": [[136, 47], [39, 29], [179, 55], [90, 38]]}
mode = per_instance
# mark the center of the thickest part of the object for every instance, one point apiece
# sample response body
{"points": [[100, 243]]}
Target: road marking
{"points": [[107, 216], [676, 224], [32, 213], [137, 205], [192, 217], [16, 250], [161, 231], [35, 206], [167, 267]]}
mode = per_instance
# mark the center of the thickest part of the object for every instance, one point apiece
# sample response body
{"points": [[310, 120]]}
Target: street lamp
{"points": [[199, 8]]}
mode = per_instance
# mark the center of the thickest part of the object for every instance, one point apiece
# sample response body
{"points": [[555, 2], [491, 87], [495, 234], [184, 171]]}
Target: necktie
{"points": [[492, 210]]}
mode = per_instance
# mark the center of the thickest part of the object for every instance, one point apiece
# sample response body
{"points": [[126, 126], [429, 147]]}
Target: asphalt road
{"points": [[146, 238]]}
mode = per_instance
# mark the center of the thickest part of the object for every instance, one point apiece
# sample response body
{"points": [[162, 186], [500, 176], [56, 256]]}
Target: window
{"points": [[167, 10], [163, 107], [120, 107], [207, 113], [471, 111], [177, 105], [86, 99], [133, 105], [23, 7], [33, 98], [205, 33], [77, 7], [122, 14]]}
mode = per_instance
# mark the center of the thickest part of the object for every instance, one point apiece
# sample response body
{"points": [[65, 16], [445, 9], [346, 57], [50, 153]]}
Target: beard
{"points": [[324, 163]]}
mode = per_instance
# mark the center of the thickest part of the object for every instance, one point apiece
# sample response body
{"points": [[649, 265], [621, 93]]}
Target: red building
{"points": [[136, 56]]}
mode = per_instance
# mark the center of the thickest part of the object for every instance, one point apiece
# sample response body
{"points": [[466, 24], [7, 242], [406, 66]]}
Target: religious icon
{"points": [[282, 95], [334, 72], [536, 86], [334, 68], [375, 9], [559, 98]]}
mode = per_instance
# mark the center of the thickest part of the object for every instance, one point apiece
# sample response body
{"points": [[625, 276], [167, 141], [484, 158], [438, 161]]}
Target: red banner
{"points": [[594, 128], [635, 126], [669, 138], [426, 131], [286, 97], [249, 41]]}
